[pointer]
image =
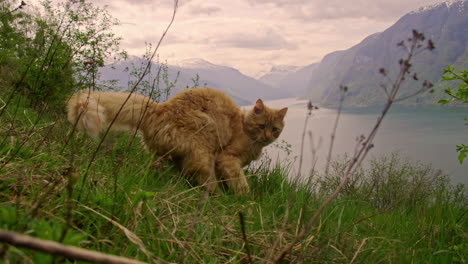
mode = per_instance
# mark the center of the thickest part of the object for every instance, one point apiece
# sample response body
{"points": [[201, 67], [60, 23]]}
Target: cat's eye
{"points": [[274, 129], [262, 126]]}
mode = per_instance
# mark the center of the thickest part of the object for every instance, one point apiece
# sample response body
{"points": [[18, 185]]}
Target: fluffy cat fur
{"points": [[201, 129]]}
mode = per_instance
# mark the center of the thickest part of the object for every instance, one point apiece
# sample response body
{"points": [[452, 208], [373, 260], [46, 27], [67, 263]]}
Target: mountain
{"points": [[276, 74], [243, 89], [293, 79], [445, 23]]}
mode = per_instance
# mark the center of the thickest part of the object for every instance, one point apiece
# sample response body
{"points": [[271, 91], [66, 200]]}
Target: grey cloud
{"points": [[139, 1], [338, 9], [135, 6], [139, 42], [204, 10], [266, 40], [164, 3], [279, 2]]}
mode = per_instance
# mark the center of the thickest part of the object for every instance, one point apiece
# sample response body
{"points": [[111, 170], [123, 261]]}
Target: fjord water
{"points": [[425, 134]]}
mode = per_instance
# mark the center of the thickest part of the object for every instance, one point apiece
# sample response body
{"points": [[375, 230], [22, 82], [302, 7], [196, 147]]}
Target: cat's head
{"points": [[263, 124]]}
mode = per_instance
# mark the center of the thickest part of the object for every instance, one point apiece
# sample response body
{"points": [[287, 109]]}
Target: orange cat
{"points": [[202, 129]]}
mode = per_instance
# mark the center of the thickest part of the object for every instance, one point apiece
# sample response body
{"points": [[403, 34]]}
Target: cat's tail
{"points": [[93, 112]]}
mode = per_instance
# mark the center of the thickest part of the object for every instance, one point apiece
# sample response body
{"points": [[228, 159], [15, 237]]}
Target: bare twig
{"points": [[41, 200], [360, 247], [313, 149], [19, 7], [310, 107], [71, 252], [409, 95], [129, 234], [343, 90], [244, 237], [72, 176]]}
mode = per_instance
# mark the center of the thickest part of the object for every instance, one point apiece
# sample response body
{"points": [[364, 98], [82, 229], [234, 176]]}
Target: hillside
{"points": [[446, 24]]}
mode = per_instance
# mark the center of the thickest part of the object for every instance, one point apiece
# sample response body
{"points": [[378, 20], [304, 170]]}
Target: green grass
{"points": [[394, 212]]}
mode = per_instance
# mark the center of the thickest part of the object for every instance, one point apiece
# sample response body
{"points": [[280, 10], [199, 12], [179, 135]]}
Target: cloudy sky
{"points": [[253, 35]]}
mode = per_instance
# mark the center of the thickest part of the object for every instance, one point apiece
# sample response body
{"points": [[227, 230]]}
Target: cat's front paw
{"points": [[242, 187]]}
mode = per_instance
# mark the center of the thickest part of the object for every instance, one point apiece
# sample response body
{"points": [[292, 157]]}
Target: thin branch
{"points": [[19, 7], [244, 237], [310, 107], [129, 234], [343, 90], [70, 252], [409, 95], [384, 88]]}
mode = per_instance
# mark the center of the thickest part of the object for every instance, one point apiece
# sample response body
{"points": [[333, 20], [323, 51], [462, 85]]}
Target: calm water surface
{"points": [[421, 134]]}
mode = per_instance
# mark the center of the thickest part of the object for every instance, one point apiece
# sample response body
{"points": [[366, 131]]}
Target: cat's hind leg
{"points": [[199, 164]]}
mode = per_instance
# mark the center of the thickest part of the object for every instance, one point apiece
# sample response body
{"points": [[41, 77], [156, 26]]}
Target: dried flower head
{"points": [[383, 71], [430, 44], [309, 106]]}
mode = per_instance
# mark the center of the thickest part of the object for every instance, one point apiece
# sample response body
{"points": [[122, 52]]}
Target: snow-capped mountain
{"points": [[197, 63], [458, 3], [276, 74], [358, 67]]}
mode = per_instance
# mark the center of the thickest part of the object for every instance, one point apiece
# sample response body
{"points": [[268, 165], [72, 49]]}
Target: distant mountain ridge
{"points": [[243, 89], [293, 79], [445, 23]]}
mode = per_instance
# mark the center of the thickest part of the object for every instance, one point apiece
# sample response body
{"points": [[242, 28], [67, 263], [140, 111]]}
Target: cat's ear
{"points": [[282, 113], [259, 106]]}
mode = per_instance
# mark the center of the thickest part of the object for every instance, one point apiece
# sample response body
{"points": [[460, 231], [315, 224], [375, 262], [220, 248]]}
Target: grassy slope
{"points": [[417, 219]]}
